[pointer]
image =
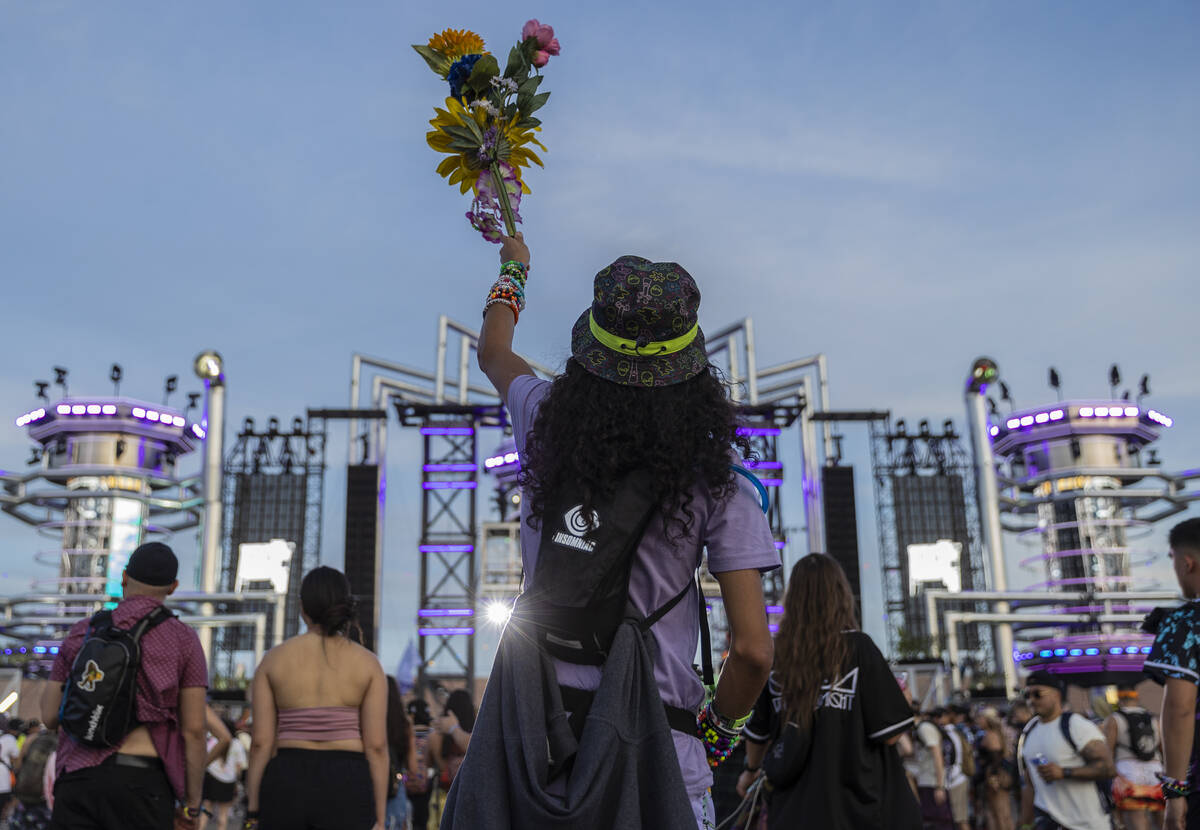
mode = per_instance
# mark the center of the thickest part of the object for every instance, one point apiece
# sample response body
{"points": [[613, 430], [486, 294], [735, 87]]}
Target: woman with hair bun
{"points": [[319, 755]]}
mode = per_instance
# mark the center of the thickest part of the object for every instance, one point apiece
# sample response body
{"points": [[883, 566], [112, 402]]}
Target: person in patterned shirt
{"points": [[1174, 661], [135, 786]]}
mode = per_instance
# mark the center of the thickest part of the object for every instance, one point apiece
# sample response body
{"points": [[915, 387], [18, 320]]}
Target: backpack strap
{"points": [[705, 634], [1024, 774], [156, 617], [1064, 726]]}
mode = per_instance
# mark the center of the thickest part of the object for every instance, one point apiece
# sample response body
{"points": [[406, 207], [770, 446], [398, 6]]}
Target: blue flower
{"points": [[460, 70]]}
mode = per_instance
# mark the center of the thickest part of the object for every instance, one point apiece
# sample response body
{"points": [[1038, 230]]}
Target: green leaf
{"points": [[529, 85], [528, 123], [438, 62], [462, 134], [536, 103], [516, 63]]}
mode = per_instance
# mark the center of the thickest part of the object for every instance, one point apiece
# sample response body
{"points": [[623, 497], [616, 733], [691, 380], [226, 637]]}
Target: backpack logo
{"points": [[91, 676], [577, 527]]}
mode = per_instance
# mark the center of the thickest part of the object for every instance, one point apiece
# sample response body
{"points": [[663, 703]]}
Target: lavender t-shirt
{"points": [[737, 537]]}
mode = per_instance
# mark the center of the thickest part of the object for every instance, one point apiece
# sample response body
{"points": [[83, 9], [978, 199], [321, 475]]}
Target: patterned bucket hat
{"points": [[642, 328]]}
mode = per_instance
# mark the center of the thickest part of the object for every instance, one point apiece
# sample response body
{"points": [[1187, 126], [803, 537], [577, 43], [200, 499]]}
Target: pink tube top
{"points": [[319, 723]]}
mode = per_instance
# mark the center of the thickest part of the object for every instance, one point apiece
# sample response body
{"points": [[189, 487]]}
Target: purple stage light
{"points": [[109, 409], [449, 485], [445, 612], [1086, 411], [447, 430], [1131, 412], [771, 482], [444, 632], [1042, 417], [773, 628], [751, 464], [93, 409], [774, 609], [450, 468], [1026, 420], [994, 431], [138, 412], [1159, 418], [752, 431], [63, 409], [1013, 423], [78, 409], [198, 431], [1057, 415], [780, 545], [445, 548]]}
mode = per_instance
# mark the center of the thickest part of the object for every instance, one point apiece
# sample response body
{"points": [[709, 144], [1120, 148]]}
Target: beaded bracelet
{"points": [[719, 735], [509, 288], [1173, 787]]}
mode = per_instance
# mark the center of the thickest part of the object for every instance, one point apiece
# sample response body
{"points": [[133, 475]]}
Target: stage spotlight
{"points": [[42, 386], [514, 498], [297, 426], [1114, 379], [172, 385], [1143, 387], [1005, 396], [193, 400], [272, 427], [901, 427], [948, 428], [60, 378], [497, 613], [114, 374], [248, 426], [923, 426], [208, 366]]}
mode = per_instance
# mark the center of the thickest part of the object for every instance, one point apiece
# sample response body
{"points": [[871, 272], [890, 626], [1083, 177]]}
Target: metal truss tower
{"points": [[924, 494], [272, 488]]}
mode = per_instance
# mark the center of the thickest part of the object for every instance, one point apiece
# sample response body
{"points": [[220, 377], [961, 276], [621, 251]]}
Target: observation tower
{"points": [[104, 478], [1077, 481]]}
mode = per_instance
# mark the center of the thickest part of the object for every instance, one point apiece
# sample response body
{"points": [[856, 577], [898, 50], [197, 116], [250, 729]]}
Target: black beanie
{"points": [[153, 564]]}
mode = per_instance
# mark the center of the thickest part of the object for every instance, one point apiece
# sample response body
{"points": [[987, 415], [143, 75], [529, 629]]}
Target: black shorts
{"points": [[219, 792], [114, 797], [317, 789]]}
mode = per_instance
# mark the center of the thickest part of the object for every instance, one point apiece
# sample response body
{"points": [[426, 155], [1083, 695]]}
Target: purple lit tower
{"points": [[1078, 480], [102, 480]]}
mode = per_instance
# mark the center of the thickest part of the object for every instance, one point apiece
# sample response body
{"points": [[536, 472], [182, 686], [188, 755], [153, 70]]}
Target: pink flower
{"points": [[541, 58], [543, 34]]}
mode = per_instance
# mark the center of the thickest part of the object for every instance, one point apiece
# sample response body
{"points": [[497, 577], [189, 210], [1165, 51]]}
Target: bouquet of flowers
{"points": [[488, 125]]}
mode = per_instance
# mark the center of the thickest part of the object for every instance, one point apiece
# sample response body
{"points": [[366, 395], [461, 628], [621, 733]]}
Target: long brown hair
{"points": [[810, 648]]}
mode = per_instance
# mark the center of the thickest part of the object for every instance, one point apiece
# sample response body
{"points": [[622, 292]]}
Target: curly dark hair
{"points": [[590, 433]]}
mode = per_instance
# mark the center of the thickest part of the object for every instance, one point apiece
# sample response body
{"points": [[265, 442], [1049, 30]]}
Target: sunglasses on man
{"points": [[1034, 694]]}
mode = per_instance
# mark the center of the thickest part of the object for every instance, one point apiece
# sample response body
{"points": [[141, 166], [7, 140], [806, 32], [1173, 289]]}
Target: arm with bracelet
{"points": [[501, 310]]}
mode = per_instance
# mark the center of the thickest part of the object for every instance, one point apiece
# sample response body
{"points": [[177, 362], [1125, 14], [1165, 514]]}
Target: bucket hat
{"points": [[642, 328]]}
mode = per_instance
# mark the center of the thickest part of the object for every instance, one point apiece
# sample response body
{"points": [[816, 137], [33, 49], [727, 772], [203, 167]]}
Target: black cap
{"points": [[1041, 677], [153, 564]]}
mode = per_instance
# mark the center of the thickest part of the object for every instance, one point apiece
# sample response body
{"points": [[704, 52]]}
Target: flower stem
{"points": [[510, 224]]}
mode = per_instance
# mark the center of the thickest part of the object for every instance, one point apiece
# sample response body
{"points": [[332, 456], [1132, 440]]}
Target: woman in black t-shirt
{"points": [[835, 702]]}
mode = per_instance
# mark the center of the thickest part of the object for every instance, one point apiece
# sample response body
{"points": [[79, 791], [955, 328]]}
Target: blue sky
{"points": [[900, 186]]}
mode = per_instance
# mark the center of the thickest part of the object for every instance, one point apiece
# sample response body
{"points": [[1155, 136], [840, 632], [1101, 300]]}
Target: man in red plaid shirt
{"points": [[136, 786]]}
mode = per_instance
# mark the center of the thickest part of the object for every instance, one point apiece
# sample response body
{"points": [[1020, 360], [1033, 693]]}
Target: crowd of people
{"points": [[595, 715]]}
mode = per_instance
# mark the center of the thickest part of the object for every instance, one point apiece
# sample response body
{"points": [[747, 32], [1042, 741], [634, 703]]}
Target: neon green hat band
{"points": [[653, 349]]}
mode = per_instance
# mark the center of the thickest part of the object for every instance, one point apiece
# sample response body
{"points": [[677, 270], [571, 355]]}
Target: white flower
{"points": [[508, 85], [486, 106]]}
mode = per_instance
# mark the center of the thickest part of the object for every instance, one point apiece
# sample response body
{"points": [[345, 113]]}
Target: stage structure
{"points": [[928, 524], [1076, 479], [273, 484], [459, 419], [106, 477]]}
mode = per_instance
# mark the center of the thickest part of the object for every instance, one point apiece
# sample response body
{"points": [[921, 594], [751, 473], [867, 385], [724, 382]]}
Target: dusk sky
{"points": [[903, 187]]}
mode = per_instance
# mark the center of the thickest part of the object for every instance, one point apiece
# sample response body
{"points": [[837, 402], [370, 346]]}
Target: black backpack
{"points": [[99, 699], [580, 585], [28, 786], [1142, 741], [949, 748]]}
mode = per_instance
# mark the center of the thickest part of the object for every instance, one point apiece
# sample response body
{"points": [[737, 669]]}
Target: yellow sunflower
{"points": [[454, 43], [451, 128]]}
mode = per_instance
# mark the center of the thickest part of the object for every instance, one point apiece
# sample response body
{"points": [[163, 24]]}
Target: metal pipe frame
{"points": [[214, 457]]}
